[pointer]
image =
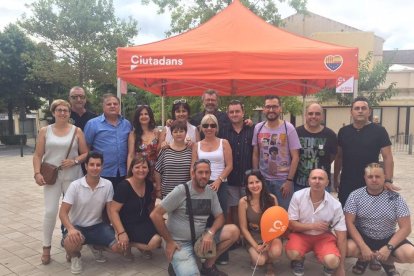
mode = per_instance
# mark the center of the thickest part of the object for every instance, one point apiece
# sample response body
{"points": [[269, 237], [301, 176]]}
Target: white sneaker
{"points": [[97, 254], [76, 266]]}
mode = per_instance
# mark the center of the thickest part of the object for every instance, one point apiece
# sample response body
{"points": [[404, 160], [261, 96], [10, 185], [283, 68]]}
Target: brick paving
{"points": [[21, 212]]}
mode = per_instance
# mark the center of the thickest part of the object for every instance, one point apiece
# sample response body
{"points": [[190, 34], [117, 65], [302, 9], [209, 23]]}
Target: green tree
{"points": [[186, 15], [84, 33], [371, 77], [16, 55]]}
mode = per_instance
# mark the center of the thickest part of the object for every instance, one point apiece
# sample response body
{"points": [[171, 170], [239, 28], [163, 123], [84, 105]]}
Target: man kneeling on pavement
{"points": [[81, 214], [176, 232], [371, 215]]}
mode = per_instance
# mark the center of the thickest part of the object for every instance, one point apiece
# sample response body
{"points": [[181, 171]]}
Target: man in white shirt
{"points": [[81, 213], [313, 214]]}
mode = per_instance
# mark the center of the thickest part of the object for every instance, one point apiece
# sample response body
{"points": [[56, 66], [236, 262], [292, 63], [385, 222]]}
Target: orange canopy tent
{"points": [[236, 53]]}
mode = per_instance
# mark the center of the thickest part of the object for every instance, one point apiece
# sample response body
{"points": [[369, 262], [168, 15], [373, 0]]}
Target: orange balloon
{"points": [[274, 223]]}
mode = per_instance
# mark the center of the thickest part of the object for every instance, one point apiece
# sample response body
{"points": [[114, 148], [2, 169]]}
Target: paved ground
{"points": [[21, 211]]}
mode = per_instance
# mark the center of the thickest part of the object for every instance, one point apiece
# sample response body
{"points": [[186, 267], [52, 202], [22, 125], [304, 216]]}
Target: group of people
{"points": [[230, 171]]}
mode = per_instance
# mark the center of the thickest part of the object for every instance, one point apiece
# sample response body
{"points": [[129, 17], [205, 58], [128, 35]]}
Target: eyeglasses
{"points": [[60, 110], [248, 172], [180, 101], [81, 97], [209, 125], [199, 161], [270, 107]]}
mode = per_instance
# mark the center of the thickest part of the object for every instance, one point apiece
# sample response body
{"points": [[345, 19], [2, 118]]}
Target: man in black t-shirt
{"points": [[79, 115], [360, 144], [319, 146]]}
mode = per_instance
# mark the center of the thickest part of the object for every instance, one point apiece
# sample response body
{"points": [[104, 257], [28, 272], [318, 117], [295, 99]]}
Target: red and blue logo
{"points": [[333, 62]]}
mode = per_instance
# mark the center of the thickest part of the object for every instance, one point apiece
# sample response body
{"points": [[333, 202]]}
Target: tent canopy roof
{"points": [[236, 52]]}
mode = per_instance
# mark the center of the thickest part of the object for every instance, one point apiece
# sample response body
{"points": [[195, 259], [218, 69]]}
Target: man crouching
{"points": [[371, 215], [81, 213]]}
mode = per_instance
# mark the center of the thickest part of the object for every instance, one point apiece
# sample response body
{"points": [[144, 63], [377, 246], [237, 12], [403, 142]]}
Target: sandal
{"points": [[46, 255], [390, 269], [375, 265], [359, 267]]}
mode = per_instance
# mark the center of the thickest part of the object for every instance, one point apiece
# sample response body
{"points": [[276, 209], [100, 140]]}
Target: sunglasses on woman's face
{"points": [[209, 125]]}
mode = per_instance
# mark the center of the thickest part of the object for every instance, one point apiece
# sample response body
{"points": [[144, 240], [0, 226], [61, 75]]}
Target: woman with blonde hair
{"points": [[53, 144]]}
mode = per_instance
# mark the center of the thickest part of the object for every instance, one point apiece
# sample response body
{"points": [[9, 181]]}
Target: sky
{"points": [[393, 20]]}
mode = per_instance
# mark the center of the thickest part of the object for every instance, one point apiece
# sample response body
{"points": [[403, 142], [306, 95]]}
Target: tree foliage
{"points": [[186, 15], [83, 33], [17, 52], [371, 77]]}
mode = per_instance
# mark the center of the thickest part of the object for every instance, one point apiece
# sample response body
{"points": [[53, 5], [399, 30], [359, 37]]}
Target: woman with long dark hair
{"points": [[130, 209], [143, 139], [251, 208]]}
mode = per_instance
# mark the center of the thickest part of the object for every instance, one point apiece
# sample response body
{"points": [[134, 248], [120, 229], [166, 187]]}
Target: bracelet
{"points": [[123, 232], [221, 178], [209, 231], [289, 179]]}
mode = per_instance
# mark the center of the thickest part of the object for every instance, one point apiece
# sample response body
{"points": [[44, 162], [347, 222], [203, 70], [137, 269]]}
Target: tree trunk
{"points": [[10, 115]]}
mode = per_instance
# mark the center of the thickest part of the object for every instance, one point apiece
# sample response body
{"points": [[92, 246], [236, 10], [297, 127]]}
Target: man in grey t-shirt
{"points": [[177, 233]]}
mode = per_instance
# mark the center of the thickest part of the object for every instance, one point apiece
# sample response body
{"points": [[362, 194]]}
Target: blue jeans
{"points": [[98, 234], [184, 260], [274, 187]]}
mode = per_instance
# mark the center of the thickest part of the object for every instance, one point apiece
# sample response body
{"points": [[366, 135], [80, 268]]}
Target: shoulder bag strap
{"points": [[71, 142], [190, 213], [287, 139]]}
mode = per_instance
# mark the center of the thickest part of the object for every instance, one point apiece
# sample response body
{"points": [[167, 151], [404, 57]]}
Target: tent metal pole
{"points": [[118, 94], [303, 108], [163, 88]]}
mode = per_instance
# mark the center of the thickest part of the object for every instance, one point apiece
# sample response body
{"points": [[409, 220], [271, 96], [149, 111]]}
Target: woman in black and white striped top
{"points": [[173, 164]]}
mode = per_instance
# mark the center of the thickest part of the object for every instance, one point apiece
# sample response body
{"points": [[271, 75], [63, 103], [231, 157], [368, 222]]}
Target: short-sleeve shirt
{"points": [[135, 209], [274, 149], [360, 147], [203, 204], [316, 152], [87, 204], [242, 150], [111, 141], [376, 215], [330, 210], [174, 168]]}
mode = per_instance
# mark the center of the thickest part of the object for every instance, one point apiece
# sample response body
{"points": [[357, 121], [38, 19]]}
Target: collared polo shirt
{"points": [[111, 141], [330, 210], [87, 204]]}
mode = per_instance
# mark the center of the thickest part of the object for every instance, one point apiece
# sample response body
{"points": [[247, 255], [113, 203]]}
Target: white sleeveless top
{"points": [[191, 134], [216, 158], [56, 148]]}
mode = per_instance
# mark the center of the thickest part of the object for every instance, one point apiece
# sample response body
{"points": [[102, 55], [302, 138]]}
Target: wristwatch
{"points": [[388, 181], [390, 247], [76, 161]]}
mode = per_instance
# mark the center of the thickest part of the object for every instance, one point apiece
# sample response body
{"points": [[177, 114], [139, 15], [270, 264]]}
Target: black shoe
{"points": [[171, 271], [223, 259], [212, 271]]}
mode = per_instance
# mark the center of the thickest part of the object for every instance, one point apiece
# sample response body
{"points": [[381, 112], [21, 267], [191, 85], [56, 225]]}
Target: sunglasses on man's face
{"points": [[209, 125]]}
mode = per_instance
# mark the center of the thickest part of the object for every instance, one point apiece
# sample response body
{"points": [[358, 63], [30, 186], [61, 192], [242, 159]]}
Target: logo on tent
{"points": [[333, 62], [153, 61]]}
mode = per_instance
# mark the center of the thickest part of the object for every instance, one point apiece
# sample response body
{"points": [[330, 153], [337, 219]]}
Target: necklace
{"points": [[316, 203]]}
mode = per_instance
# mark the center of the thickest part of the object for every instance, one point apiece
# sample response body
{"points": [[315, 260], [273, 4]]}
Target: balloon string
{"points": [[257, 261]]}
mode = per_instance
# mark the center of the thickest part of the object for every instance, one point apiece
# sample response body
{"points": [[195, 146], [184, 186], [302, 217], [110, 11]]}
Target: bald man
{"points": [[319, 146], [313, 215]]}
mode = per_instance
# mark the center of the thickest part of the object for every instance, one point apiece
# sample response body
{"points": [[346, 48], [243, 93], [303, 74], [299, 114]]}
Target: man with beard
{"points": [[80, 115], [280, 169], [319, 146], [176, 233], [210, 101], [360, 144]]}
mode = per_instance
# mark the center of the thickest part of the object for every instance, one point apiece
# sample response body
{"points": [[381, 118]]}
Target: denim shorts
{"points": [[184, 261], [98, 234], [273, 187]]}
